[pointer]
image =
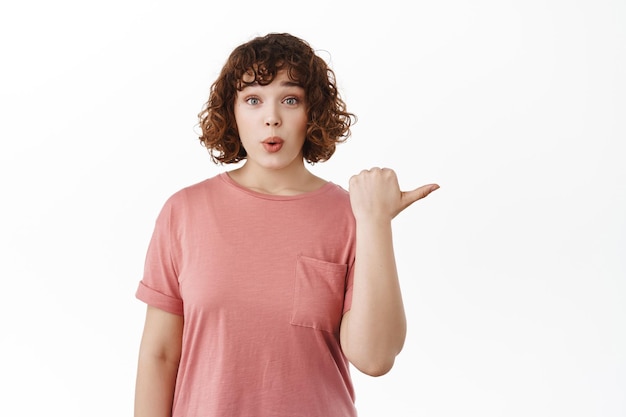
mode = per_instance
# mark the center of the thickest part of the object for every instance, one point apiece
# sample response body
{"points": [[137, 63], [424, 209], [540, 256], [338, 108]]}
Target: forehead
{"points": [[257, 78]]}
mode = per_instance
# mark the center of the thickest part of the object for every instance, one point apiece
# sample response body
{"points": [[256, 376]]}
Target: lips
{"points": [[273, 144]]}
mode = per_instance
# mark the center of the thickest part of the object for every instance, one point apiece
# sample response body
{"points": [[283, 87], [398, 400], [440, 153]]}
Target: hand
{"points": [[376, 193]]}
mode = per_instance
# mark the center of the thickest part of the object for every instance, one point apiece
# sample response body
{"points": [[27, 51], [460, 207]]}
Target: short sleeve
{"points": [[159, 286]]}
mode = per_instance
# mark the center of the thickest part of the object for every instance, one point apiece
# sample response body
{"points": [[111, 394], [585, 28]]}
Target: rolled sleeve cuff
{"points": [[159, 300]]}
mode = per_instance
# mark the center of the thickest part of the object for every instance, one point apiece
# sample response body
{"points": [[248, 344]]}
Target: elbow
{"points": [[374, 368], [373, 353]]}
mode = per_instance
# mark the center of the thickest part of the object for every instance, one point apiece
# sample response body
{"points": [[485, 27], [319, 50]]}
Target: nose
{"points": [[272, 119]]}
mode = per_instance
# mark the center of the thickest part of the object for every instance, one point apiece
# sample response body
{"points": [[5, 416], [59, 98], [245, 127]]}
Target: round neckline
{"points": [[228, 180]]}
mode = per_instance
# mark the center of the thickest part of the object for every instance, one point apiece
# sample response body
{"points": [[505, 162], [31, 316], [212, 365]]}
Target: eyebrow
{"points": [[290, 84]]}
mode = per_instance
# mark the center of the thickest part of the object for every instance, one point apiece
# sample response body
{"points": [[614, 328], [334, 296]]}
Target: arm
{"points": [[159, 355], [374, 329]]}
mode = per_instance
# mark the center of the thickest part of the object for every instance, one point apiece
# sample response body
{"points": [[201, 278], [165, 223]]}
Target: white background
{"points": [[513, 272]]}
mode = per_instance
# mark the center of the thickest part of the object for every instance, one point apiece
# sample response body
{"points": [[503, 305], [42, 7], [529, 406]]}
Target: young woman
{"points": [[265, 282]]}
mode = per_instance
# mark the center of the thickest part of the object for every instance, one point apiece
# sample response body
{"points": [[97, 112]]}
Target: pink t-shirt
{"points": [[262, 282]]}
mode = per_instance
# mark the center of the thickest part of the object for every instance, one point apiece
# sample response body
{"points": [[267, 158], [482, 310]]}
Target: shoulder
{"points": [[196, 190], [337, 192], [334, 200], [192, 196]]}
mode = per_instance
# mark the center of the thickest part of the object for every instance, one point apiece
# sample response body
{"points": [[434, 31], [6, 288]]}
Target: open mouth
{"points": [[273, 144]]}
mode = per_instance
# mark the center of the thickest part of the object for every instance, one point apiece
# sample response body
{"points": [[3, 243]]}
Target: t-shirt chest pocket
{"points": [[318, 294]]}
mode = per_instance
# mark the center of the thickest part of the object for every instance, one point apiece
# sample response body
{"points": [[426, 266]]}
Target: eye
{"points": [[252, 100], [292, 101]]}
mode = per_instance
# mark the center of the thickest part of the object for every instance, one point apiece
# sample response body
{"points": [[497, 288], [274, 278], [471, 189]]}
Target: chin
{"points": [[281, 163]]}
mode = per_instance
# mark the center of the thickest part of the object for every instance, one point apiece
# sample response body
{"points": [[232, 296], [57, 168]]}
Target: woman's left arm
{"points": [[374, 329]]}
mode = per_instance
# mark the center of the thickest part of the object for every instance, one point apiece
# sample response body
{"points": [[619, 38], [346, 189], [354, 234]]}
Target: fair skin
{"points": [[273, 113], [159, 355], [373, 331], [272, 123]]}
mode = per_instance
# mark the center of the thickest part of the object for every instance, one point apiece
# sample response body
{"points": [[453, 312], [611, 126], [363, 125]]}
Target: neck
{"points": [[292, 180]]}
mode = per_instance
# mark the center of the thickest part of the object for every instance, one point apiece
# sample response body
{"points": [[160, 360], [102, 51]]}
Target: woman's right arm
{"points": [[159, 356]]}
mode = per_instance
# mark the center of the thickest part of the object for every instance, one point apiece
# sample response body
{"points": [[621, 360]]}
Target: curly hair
{"points": [[328, 120]]}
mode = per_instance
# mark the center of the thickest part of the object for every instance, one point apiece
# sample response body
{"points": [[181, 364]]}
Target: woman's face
{"points": [[272, 122]]}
